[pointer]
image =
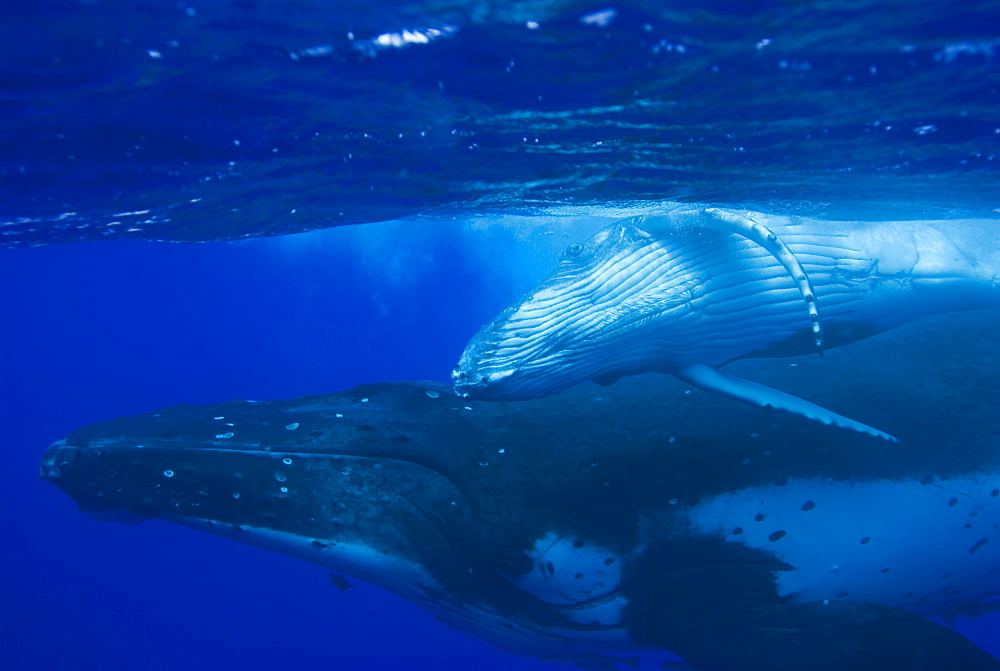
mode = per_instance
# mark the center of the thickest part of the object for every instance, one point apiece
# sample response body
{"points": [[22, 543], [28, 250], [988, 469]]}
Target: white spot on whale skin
{"points": [[582, 578], [897, 543]]}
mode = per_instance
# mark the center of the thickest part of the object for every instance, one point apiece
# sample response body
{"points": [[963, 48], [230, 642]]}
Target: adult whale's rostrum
{"points": [[584, 523], [688, 290]]}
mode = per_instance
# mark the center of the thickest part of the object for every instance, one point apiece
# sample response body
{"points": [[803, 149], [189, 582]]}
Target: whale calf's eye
{"points": [[574, 250]]}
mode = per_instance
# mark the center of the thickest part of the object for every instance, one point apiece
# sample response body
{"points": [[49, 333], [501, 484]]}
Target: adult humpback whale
{"points": [[688, 290], [583, 523]]}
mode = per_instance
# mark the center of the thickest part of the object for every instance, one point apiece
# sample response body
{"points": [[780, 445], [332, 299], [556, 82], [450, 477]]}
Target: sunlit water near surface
{"points": [[214, 120], [488, 137]]}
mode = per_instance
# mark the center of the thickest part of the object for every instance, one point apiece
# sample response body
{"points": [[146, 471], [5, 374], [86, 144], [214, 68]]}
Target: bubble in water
{"points": [[279, 476], [236, 495], [433, 394], [673, 502], [284, 490], [292, 426], [168, 473], [364, 400], [287, 461]]}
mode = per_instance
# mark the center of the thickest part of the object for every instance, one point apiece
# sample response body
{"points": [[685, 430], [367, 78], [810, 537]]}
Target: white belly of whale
{"points": [[927, 548]]}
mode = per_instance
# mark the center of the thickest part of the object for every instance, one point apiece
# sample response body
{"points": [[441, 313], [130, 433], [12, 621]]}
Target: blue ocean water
{"points": [[489, 135]]}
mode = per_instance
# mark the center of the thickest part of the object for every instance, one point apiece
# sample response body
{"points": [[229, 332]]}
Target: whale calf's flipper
{"points": [[742, 224], [710, 379], [762, 635]]}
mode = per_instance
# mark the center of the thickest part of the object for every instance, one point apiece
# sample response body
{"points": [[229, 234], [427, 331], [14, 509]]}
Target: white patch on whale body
{"points": [[410, 580], [583, 578], [922, 547]]}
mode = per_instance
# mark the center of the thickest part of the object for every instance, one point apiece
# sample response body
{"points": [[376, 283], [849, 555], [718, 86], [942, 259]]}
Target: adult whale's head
{"points": [[576, 324], [330, 482]]}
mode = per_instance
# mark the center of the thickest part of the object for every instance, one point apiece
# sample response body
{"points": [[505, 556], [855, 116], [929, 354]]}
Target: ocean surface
{"points": [[176, 180]]}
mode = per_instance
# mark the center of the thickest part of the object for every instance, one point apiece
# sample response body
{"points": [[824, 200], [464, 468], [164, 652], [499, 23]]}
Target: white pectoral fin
{"points": [[710, 379]]}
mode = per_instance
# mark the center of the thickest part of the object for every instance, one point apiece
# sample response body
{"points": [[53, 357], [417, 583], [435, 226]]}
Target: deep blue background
{"points": [[90, 332]]}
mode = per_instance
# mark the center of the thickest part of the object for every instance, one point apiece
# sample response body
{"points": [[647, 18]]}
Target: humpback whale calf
{"points": [[689, 290], [582, 524]]}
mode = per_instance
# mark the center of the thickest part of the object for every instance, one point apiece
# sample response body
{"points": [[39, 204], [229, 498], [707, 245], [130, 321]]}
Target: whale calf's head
{"points": [[589, 320]]}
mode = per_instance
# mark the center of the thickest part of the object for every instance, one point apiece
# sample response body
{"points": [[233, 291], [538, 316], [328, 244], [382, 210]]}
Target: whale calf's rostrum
{"points": [[688, 290], [584, 523]]}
